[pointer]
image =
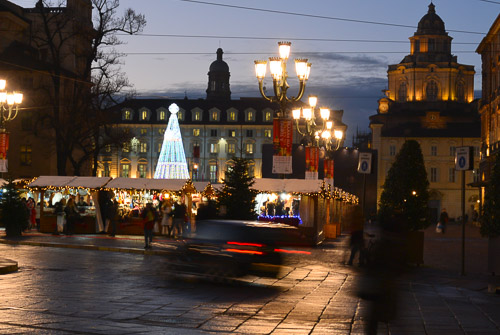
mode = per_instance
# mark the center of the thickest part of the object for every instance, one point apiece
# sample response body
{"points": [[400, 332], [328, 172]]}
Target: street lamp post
{"points": [[277, 66], [9, 107]]}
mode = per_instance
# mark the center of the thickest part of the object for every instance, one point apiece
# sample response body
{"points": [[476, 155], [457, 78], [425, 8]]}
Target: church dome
{"points": [[219, 65], [431, 23]]}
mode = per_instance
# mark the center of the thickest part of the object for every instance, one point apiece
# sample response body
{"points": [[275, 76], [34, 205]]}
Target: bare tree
{"points": [[85, 75]]}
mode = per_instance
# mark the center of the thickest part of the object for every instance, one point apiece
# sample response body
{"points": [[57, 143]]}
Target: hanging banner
{"points": [[282, 145], [312, 162], [328, 168], [4, 148]]}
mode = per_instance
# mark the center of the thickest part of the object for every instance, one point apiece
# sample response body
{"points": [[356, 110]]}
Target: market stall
{"points": [[310, 205], [51, 190]]}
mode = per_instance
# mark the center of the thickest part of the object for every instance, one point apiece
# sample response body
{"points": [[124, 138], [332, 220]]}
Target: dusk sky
{"points": [[350, 44]]}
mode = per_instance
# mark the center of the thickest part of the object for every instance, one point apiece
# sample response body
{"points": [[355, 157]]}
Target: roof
{"points": [[147, 184], [287, 185], [69, 181]]}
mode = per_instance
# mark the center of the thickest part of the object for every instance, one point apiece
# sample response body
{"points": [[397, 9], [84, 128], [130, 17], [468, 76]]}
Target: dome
{"points": [[219, 65], [431, 23]]}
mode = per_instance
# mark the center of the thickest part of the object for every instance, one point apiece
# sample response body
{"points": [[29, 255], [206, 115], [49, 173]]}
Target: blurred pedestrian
{"points": [[357, 242], [443, 220], [72, 216], [113, 217], [166, 220], [149, 215], [61, 219], [179, 218]]}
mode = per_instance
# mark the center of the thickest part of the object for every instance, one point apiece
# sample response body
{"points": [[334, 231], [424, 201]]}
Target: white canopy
{"points": [[69, 181], [287, 185], [147, 184]]}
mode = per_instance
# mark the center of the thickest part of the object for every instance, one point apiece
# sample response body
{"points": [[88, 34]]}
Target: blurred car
{"points": [[222, 249]]}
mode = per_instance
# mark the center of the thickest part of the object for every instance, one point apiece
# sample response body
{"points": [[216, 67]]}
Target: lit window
{"points": [[250, 116], [249, 148], [196, 132], [268, 117], [231, 148], [144, 131], [197, 116], [127, 115], [231, 133], [107, 148], [160, 144], [180, 116], [267, 133], [214, 116], [213, 148], [125, 170], [144, 147], [434, 150], [232, 116], [126, 147], [141, 169], [161, 131], [162, 115], [25, 155], [213, 173], [144, 115]]}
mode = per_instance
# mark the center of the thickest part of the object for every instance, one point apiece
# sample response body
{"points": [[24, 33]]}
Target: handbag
{"points": [[439, 227]]}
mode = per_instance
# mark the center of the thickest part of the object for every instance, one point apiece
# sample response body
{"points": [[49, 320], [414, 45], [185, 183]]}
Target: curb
{"points": [[8, 266], [85, 247]]}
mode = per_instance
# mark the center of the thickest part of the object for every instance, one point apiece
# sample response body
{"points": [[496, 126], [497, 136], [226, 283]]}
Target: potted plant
{"points": [[490, 218], [403, 205], [13, 213]]}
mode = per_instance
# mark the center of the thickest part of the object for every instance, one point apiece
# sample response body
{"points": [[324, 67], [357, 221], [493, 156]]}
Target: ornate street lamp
{"points": [[277, 66], [312, 130], [9, 104]]}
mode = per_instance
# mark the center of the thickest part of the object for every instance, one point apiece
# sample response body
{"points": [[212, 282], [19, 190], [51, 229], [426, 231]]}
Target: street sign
{"points": [[464, 159], [365, 163]]}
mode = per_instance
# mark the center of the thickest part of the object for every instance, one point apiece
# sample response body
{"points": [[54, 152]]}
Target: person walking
{"points": [[179, 218], [166, 220], [149, 217], [443, 220], [72, 216], [61, 220]]}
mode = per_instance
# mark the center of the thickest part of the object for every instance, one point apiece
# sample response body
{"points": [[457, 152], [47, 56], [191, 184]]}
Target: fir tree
{"points": [[405, 195], [14, 215], [237, 196], [490, 220]]}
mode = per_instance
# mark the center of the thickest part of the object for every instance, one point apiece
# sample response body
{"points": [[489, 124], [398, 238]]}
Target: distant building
{"points": [[430, 98], [489, 107]]}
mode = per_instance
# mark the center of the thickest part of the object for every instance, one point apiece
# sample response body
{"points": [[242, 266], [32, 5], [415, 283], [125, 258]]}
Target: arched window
{"points": [[431, 91], [460, 92], [402, 92]]}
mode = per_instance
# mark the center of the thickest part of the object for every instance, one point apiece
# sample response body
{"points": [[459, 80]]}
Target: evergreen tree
{"points": [[237, 196], [490, 219], [14, 215], [405, 195]]}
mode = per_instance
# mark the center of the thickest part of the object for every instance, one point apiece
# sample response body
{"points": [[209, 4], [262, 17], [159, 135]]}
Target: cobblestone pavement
{"points": [[83, 287]]}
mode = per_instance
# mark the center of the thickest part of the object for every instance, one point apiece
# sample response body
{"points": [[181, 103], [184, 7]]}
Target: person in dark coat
{"points": [[150, 216], [179, 218], [443, 220]]}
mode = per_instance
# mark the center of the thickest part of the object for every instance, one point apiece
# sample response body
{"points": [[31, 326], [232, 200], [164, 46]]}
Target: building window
{"points": [[197, 116], [127, 115], [249, 133], [180, 115], [231, 148], [268, 133], [25, 155], [161, 131], [417, 46], [144, 131], [249, 148], [231, 133], [249, 116], [107, 148], [144, 115], [125, 171], [160, 145], [460, 92], [106, 170], [144, 147], [126, 147], [232, 116], [213, 132], [196, 150], [27, 121], [213, 148], [453, 151], [196, 132], [141, 169], [392, 150], [451, 175], [434, 150], [431, 44], [434, 175], [402, 92], [431, 91], [213, 173], [214, 116], [161, 115], [475, 175], [268, 117]]}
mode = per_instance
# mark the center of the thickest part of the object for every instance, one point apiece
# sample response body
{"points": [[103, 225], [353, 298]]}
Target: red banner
{"points": [[312, 159], [328, 168], [4, 145], [282, 137]]}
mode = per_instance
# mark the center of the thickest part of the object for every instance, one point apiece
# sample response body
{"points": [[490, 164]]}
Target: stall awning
{"points": [[287, 185], [69, 181], [147, 184]]}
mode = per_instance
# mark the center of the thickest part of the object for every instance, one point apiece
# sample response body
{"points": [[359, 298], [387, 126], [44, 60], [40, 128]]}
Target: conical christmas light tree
{"points": [[172, 162]]}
